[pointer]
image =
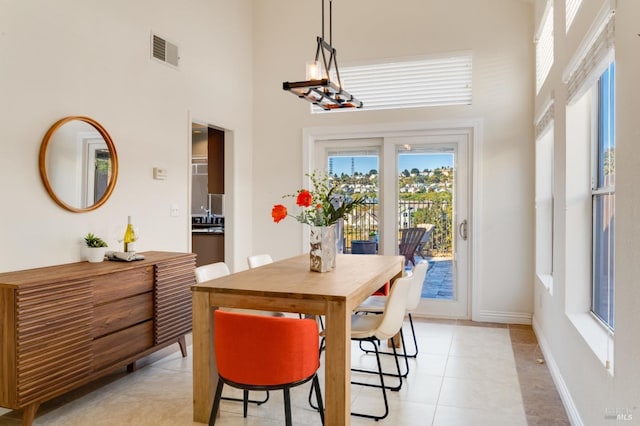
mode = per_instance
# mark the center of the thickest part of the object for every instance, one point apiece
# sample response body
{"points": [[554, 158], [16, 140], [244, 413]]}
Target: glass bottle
{"points": [[129, 237]]}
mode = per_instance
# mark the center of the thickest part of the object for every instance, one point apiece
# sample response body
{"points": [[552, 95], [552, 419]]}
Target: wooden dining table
{"points": [[289, 286]]}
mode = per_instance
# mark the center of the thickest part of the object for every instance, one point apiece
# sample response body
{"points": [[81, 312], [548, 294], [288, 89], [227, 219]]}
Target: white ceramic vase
{"points": [[95, 254]]}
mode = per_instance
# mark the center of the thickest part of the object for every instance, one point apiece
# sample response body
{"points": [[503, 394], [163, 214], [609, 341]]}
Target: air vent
{"points": [[164, 51]]}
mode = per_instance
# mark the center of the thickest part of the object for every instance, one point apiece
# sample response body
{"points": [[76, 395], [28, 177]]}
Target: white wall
{"points": [[93, 58], [498, 32], [588, 389]]}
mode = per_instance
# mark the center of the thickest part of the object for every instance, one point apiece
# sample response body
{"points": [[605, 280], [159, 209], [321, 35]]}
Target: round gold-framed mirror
{"points": [[78, 163]]}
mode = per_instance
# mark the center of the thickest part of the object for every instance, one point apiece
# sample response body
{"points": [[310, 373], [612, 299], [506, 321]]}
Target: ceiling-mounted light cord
{"points": [[330, 22], [322, 19]]}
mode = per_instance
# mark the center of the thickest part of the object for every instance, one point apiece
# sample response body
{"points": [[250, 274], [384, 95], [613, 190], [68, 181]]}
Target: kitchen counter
{"points": [[207, 228]]}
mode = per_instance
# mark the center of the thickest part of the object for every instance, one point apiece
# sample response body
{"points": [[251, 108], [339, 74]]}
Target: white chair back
{"points": [[419, 272], [258, 260], [211, 271], [394, 310]]}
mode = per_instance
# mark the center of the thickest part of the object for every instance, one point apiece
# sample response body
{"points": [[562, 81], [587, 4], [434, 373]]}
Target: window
{"points": [[571, 9], [590, 187], [603, 200], [544, 46], [544, 204], [434, 81]]}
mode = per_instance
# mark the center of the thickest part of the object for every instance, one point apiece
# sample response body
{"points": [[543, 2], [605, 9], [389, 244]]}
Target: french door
{"points": [[431, 190], [406, 187]]}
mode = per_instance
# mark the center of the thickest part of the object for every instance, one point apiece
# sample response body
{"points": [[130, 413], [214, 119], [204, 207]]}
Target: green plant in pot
{"points": [[96, 248]]}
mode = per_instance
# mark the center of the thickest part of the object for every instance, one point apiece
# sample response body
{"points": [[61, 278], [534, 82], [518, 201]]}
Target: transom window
{"points": [[411, 83], [544, 46]]}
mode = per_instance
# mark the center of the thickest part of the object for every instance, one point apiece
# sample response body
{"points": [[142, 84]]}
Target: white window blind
{"points": [[543, 123], [571, 9], [437, 81], [591, 60], [544, 47]]}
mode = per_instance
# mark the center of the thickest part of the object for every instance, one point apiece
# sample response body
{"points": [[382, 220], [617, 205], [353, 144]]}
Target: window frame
{"points": [[544, 205], [600, 189]]}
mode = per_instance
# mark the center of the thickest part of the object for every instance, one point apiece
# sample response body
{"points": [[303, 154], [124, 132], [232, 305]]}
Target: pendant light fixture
{"points": [[323, 86]]}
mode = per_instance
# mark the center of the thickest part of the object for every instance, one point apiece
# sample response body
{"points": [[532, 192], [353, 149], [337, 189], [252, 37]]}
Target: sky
{"points": [[363, 164]]}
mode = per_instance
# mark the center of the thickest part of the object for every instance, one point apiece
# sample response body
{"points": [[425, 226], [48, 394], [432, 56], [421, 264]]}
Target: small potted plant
{"points": [[373, 236], [96, 248]]}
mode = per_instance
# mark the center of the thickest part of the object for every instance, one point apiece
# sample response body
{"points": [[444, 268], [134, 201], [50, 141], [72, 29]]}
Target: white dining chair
{"points": [[257, 260], [374, 328], [220, 269], [211, 271], [376, 304]]}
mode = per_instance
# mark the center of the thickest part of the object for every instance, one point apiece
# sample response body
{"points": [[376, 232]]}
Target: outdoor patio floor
{"points": [[438, 284]]}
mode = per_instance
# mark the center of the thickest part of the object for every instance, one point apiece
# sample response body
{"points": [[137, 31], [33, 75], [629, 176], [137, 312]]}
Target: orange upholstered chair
{"points": [[382, 291], [256, 352]]}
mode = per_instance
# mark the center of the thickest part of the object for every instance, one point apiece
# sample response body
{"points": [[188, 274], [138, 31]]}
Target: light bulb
{"points": [[313, 70]]}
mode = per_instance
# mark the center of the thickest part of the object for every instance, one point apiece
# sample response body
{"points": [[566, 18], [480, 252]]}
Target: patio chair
{"points": [[411, 238], [425, 238]]}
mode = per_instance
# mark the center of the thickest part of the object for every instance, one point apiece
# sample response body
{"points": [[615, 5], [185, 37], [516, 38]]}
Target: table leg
{"points": [[338, 365], [204, 367]]}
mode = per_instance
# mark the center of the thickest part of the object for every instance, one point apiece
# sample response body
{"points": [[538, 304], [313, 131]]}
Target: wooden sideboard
{"points": [[64, 326]]}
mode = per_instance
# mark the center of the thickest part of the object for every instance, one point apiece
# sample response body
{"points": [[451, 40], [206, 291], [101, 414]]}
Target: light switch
{"points": [[175, 210]]}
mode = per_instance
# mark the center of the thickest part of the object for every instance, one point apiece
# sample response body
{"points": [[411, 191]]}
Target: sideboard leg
{"points": [[29, 413], [131, 367], [182, 341]]}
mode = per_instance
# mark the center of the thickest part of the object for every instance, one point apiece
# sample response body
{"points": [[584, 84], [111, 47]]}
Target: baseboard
{"points": [[563, 391], [503, 317]]}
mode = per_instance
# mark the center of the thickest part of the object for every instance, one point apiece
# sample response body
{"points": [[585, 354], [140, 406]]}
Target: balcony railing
{"points": [[364, 220]]}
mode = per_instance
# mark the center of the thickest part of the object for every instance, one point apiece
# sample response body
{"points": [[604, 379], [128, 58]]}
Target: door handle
{"points": [[462, 230]]}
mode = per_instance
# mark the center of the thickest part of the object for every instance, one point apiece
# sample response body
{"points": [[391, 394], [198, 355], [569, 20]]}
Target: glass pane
{"points": [[356, 173], [606, 129], [426, 188], [603, 257], [102, 173]]}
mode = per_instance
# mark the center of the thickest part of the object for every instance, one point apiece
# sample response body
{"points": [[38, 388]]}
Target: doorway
{"points": [[207, 193], [404, 197]]}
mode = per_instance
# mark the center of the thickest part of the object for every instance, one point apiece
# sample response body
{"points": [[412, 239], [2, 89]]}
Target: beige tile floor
{"points": [[465, 374]]}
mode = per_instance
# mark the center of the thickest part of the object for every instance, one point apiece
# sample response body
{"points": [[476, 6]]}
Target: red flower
{"points": [[278, 212], [304, 198]]}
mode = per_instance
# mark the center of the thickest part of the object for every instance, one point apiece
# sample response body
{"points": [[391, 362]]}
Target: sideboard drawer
{"points": [[122, 313], [110, 349], [120, 285]]}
